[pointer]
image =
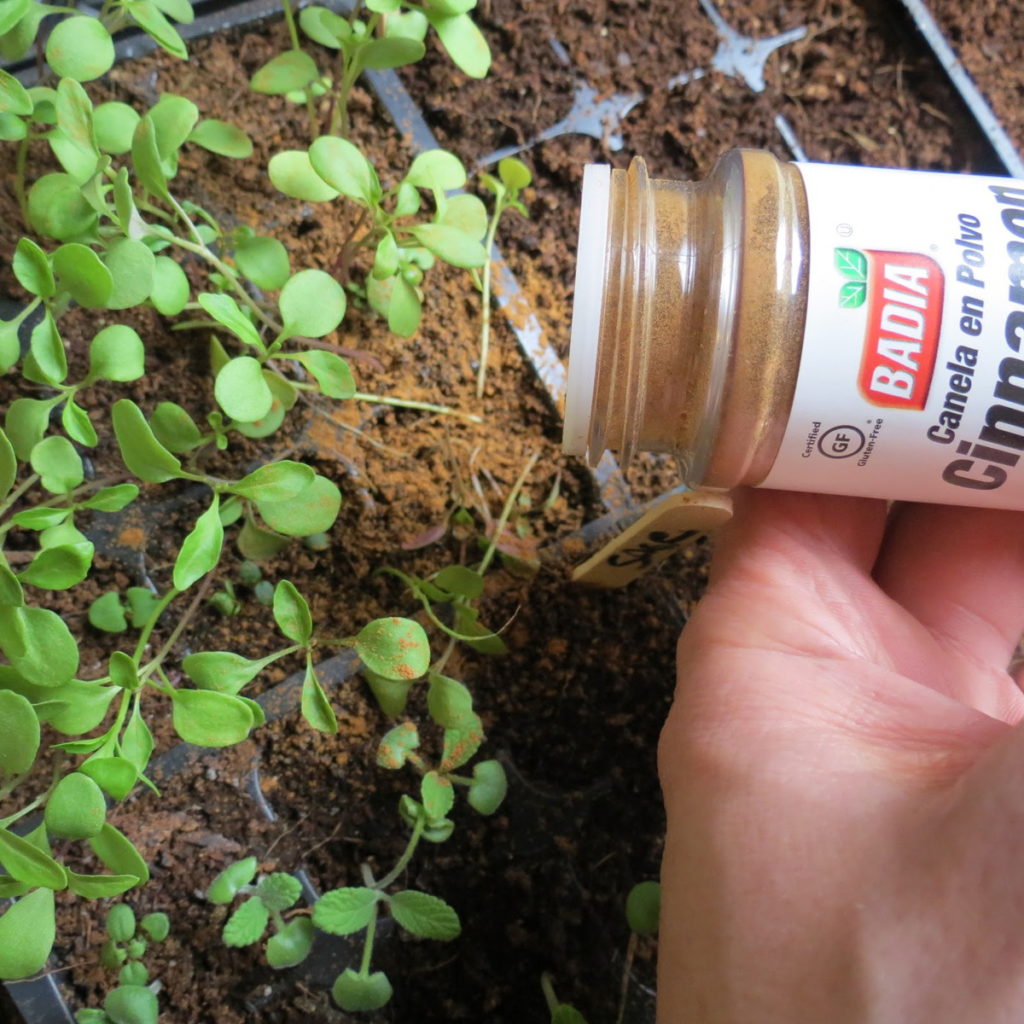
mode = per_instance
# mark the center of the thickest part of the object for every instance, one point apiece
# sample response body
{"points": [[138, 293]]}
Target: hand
{"points": [[842, 774]]}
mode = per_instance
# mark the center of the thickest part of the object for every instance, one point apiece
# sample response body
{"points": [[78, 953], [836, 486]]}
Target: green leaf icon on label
{"points": [[852, 294], [852, 263]]}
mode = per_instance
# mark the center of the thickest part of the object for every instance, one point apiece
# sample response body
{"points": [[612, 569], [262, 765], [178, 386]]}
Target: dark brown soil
{"points": [[574, 710]]}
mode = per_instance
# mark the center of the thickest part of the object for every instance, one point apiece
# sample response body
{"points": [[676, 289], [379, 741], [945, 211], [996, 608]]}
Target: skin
{"points": [[843, 778]]}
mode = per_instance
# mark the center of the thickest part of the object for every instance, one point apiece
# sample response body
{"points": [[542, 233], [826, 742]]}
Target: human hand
{"points": [[843, 780]]}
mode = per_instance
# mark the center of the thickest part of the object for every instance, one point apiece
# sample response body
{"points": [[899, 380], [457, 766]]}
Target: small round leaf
{"points": [[241, 391], [80, 48], [394, 648], [354, 992], [76, 809], [312, 303], [27, 931], [117, 353], [292, 173]]}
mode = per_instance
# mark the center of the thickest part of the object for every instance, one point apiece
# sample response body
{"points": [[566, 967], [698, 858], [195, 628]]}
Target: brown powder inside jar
{"points": [[703, 301]]}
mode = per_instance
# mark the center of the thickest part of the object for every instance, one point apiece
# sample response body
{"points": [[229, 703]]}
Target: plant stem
{"points": [[58, 766], [406, 403], [403, 861], [19, 177], [151, 622], [371, 931], [169, 643], [485, 300], [293, 33], [28, 482], [506, 512], [549, 992]]}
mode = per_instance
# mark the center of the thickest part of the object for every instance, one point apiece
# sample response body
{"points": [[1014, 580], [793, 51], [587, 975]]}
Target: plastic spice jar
{"points": [[822, 328]]}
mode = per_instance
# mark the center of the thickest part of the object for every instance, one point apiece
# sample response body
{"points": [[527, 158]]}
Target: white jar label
{"points": [[911, 380]]}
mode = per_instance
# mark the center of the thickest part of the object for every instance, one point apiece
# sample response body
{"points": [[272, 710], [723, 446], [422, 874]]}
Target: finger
{"points": [[799, 533], [960, 572]]}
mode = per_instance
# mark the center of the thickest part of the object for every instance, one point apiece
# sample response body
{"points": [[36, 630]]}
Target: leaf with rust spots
{"points": [[397, 744], [462, 743], [394, 648]]}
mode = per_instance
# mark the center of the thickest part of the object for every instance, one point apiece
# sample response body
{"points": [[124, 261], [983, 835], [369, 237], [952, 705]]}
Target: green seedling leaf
{"points": [[19, 727], [278, 891], [425, 915], [107, 613], [76, 808], [391, 696], [117, 353], [137, 741], [460, 581], [74, 116], [81, 273], [226, 886], [224, 671], [81, 164], [391, 52], [343, 166], [394, 648], [38, 645], [46, 353], [118, 853], [121, 923], [170, 291], [437, 794], [131, 1004], [58, 464], [77, 707], [325, 27], [514, 174], [200, 551], [123, 671], [231, 881], [77, 425], [466, 213], [263, 260], [354, 992], [566, 1014], [452, 6], [247, 924], [291, 945], [113, 498], [312, 511], [146, 159], [156, 925], [293, 174], [114, 124], [449, 702], [461, 743], [132, 266], [59, 567], [396, 744], [222, 138], [26, 862], [174, 428], [464, 42], [386, 261], [437, 169], [225, 311], [467, 624], [488, 787], [80, 48], [293, 69], [57, 208], [451, 245], [276, 481], [643, 907], [291, 613], [116, 776], [27, 933], [99, 887], [330, 371], [241, 391], [344, 911], [144, 456], [316, 708], [11, 594], [14, 99], [10, 345], [209, 719], [312, 304], [402, 307], [40, 518], [259, 545], [32, 269]]}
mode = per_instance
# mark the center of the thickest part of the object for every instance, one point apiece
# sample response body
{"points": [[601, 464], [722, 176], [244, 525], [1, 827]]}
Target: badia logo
{"points": [[903, 295]]}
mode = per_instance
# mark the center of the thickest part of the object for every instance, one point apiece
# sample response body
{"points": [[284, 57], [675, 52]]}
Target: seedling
{"points": [[513, 177], [134, 1000], [643, 911], [561, 1013]]}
